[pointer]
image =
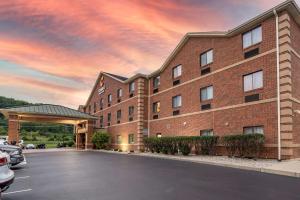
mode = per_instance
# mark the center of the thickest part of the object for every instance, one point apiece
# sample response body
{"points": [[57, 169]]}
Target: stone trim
{"points": [[216, 71], [140, 112], [285, 74], [218, 109]]}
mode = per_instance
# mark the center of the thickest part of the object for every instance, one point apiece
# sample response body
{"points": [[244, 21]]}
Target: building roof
{"points": [[289, 5], [47, 109], [122, 78]]}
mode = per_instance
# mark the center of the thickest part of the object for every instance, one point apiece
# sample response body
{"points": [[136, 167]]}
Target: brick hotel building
{"points": [[245, 80]]}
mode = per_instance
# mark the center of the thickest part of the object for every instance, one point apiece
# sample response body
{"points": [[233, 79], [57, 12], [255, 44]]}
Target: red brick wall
{"points": [[295, 43], [227, 51]]}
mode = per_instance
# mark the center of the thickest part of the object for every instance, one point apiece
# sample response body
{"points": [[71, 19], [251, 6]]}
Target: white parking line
{"points": [[22, 177], [19, 191]]}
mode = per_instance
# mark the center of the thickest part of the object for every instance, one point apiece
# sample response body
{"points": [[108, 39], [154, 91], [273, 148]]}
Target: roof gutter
{"points": [[278, 87]]}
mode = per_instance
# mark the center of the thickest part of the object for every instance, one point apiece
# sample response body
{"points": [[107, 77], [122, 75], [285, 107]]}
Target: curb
{"points": [[257, 169]]}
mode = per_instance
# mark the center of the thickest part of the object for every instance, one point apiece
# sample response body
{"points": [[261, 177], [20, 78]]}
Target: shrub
{"points": [[249, 145], [70, 144], [185, 145], [25, 138], [206, 145], [100, 139]]}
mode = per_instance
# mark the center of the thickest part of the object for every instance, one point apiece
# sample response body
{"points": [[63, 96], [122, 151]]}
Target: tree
{"points": [[100, 139], [3, 131]]}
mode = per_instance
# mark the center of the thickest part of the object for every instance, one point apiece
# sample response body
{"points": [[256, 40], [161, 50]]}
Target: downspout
{"points": [[278, 88], [149, 106]]}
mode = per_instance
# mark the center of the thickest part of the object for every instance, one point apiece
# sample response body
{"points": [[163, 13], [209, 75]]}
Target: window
{"points": [[253, 81], [90, 109], [109, 98], [119, 93], [207, 132], [156, 107], [130, 110], [158, 135], [177, 71], [252, 37], [176, 101], [119, 139], [101, 103], [254, 129], [131, 87], [95, 107], [108, 117], [119, 114], [101, 121], [156, 81], [131, 139], [206, 58], [206, 93]]}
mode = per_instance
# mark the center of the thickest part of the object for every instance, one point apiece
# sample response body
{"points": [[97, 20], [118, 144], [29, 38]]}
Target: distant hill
{"points": [[30, 126], [10, 102]]}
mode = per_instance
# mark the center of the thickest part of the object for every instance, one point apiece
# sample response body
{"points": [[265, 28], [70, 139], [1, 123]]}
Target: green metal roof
{"points": [[48, 109]]}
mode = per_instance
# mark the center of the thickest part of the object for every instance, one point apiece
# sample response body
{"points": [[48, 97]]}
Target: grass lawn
{"points": [[45, 140]]}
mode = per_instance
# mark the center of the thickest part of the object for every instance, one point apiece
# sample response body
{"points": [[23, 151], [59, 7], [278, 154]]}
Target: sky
{"points": [[51, 51]]}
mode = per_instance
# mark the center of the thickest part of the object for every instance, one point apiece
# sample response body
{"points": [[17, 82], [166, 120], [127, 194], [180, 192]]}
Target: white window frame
{"points": [[179, 101], [252, 81], [205, 92], [131, 87], [130, 114], [253, 130], [154, 81], [119, 139], [119, 112], [207, 57], [207, 132], [254, 36], [158, 107], [131, 142], [177, 71], [109, 98], [119, 93]]}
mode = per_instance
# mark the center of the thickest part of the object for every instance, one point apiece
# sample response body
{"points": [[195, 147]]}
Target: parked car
{"points": [[41, 146], [17, 158], [21, 144], [30, 146], [7, 176], [61, 145]]}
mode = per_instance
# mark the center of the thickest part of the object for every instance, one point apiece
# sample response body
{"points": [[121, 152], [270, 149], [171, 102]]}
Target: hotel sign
{"points": [[102, 86]]}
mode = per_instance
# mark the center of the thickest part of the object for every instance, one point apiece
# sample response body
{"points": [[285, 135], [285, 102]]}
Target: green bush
{"points": [[100, 139], [70, 143], [242, 145], [206, 145], [185, 144]]}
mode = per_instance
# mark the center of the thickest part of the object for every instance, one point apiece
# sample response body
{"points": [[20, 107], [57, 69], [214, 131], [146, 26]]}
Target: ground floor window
{"points": [[131, 139], [254, 129], [207, 132], [119, 139]]}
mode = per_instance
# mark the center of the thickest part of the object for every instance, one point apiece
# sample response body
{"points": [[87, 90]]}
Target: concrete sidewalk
{"points": [[26, 151], [286, 168]]}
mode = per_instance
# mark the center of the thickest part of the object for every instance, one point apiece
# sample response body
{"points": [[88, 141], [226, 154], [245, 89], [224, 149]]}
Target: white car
{"points": [[30, 146], [7, 176]]}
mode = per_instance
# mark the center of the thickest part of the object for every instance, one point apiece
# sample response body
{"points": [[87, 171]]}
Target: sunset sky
{"points": [[51, 51]]}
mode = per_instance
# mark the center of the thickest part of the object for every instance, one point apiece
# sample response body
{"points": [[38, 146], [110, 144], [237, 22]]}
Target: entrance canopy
{"points": [[83, 123]]}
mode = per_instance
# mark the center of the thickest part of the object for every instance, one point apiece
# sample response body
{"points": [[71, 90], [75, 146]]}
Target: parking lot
{"points": [[94, 175]]}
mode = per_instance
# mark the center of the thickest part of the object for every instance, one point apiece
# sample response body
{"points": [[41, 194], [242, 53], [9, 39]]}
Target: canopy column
{"points": [[13, 129]]}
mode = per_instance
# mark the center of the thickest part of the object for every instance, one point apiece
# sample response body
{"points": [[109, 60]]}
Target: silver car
{"points": [[17, 159], [6, 174]]}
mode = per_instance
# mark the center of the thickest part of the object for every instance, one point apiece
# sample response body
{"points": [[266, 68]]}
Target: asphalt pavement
{"points": [[105, 176]]}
